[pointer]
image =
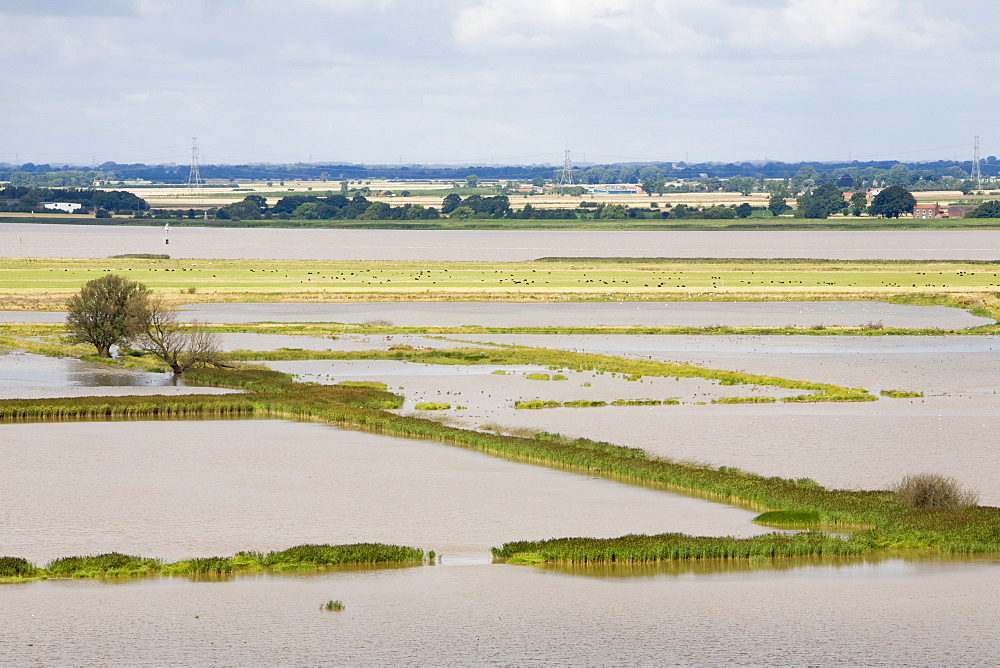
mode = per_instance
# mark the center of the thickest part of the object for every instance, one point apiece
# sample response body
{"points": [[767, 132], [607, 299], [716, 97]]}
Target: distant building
{"points": [[624, 189], [927, 211], [960, 210], [68, 207]]}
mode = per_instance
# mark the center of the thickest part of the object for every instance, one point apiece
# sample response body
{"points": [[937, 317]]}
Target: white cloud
{"points": [[595, 26], [842, 26]]}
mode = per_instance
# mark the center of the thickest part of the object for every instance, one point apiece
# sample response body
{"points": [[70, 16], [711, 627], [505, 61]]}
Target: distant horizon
{"points": [[497, 165]]}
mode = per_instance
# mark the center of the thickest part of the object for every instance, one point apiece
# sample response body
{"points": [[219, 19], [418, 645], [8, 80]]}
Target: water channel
{"points": [[81, 241]]}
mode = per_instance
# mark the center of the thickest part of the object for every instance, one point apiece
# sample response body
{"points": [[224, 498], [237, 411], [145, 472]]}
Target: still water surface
{"points": [[28, 376], [37, 240], [176, 490], [622, 314], [893, 613]]}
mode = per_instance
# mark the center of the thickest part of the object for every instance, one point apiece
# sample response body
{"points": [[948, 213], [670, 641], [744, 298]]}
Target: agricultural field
{"points": [[46, 283]]}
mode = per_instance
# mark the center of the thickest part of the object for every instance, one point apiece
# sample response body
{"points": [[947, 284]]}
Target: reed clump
{"points": [[744, 400], [637, 548], [110, 564], [358, 553], [116, 564], [16, 568]]}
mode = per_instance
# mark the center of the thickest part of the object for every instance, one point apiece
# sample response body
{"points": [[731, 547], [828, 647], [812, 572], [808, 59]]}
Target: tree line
{"points": [[917, 176], [330, 207], [25, 198]]}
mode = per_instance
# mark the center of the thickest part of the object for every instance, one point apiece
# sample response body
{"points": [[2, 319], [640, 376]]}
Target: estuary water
{"points": [[28, 376], [201, 488], [176, 489], [82, 241], [573, 314], [591, 314], [889, 614]]}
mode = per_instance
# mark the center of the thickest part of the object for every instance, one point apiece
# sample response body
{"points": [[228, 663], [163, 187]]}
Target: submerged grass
{"points": [[573, 361]]}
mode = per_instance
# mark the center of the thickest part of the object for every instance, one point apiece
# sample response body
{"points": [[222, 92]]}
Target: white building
{"points": [[68, 207]]}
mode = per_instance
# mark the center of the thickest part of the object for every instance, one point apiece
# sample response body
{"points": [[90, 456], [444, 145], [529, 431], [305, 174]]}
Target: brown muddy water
{"points": [[28, 376], [891, 613], [177, 489], [590, 314], [868, 445], [38, 240]]}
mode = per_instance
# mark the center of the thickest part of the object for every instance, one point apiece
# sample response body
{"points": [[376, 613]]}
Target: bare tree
{"points": [[180, 345]]}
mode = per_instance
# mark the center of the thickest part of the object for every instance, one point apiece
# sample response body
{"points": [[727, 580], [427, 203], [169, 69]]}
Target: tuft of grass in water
{"points": [[637, 548], [744, 400], [332, 606], [535, 404], [16, 567], [357, 553], [110, 564], [430, 406], [901, 394], [363, 383]]}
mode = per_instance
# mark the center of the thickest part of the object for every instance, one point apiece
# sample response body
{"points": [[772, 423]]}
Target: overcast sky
{"points": [[510, 81]]}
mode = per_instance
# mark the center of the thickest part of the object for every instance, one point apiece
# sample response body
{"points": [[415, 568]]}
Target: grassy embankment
{"points": [[882, 518], [39, 284], [626, 224], [116, 564]]}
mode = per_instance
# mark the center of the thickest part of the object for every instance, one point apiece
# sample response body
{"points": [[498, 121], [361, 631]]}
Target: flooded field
{"points": [[27, 376], [659, 314], [889, 613], [36, 240], [175, 489], [217, 487], [931, 364]]}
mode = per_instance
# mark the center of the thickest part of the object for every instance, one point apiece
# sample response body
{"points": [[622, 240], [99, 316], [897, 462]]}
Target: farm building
{"points": [[68, 207], [624, 189], [960, 210], [927, 211]]}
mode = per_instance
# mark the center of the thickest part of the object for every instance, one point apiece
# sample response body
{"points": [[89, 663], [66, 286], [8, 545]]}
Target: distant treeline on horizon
{"points": [[589, 174]]}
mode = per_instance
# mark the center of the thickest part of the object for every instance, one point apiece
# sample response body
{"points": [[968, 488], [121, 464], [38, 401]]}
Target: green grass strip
{"points": [[116, 564]]}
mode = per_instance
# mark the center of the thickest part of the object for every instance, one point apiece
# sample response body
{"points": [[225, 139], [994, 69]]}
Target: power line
{"points": [[566, 173], [977, 176], [194, 176]]}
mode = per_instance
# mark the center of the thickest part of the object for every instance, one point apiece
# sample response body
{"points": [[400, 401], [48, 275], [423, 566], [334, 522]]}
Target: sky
{"points": [[496, 81]]}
